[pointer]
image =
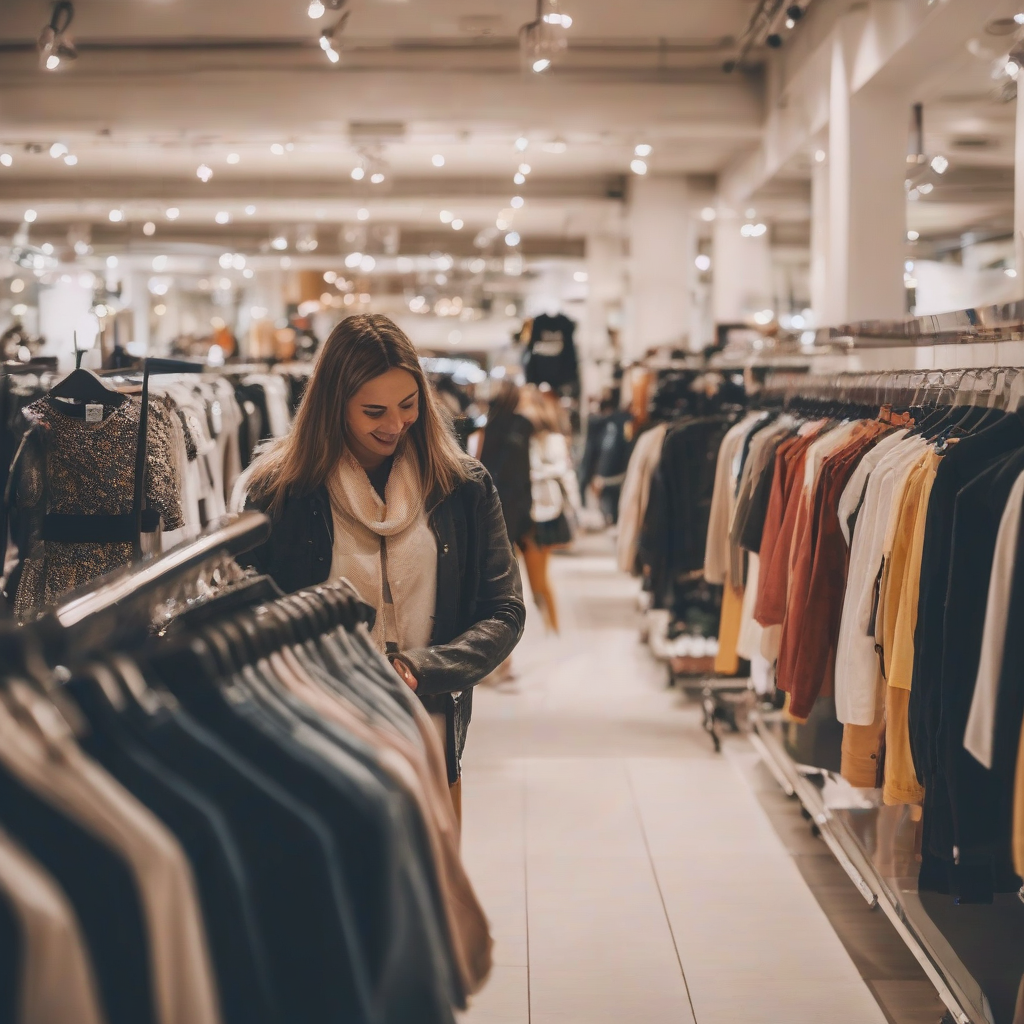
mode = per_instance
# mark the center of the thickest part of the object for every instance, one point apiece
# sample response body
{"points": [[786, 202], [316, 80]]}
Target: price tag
{"points": [[94, 414]]}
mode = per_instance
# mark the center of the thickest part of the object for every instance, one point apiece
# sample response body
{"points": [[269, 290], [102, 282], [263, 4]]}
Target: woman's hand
{"points": [[405, 674]]}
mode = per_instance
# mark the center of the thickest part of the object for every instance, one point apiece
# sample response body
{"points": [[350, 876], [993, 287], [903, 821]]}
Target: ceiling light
{"points": [[522, 142], [353, 259], [558, 146], [525, 168], [19, 309], [580, 277], [708, 214], [71, 159], [330, 276], [47, 248], [519, 178], [541, 64], [642, 150], [289, 146], [17, 285], [58, 149], [478, 266], [149, 228], [159, 309], [6, 159], [363, 214], [223, 217], [332, 54], [248, 272], [232, 158], [447, 216], [277, 149], [82, 248], [316, 9], [458, 224], [638, 166], [925, 188], [172, 213], [790, 23], [116, 216], [1011, 68], [367, 263], [908, 266], [29, 216], [55, 43], [111, 262], [512, 238], [1019, 18], [204, 173], [516, 202], [750, 213], [702, 262], [280, 242], [1010, 272], [437, 160], [819, 156], [358, 174], [501, 224], [159, 263], [224, 261], [939, 164], [913, 236], [377, 177], [250, 210]]}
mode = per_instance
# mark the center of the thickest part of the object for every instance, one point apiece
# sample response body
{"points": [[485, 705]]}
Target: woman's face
{"points": [[379, 414]]}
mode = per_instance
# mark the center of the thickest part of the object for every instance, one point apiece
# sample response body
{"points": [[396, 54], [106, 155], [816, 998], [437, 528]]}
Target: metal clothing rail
{"points": [[878, 875], [963, 326], [125, 600]]}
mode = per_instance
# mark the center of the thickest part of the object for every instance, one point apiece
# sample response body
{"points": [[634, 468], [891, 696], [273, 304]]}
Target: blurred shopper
{"points": [[503, 446], [555, 499]]}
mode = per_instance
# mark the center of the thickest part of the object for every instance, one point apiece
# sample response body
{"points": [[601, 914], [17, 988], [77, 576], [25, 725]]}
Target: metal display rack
{"points": [[876, 846]]}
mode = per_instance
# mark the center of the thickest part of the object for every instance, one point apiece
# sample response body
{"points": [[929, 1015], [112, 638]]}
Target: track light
{"points": [[316, 9], [774, 40], [55, 43], [544, 38], [329, 39]]}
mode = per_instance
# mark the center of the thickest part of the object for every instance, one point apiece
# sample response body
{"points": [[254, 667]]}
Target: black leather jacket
{"points": [[479, 614]]}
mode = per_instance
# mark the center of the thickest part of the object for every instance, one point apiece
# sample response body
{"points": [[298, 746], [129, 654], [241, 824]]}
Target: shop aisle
{"points": [[629, 873]]}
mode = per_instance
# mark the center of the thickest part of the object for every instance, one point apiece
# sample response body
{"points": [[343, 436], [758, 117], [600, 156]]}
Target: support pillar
{"points": [[661, 268], [742, 269], [820, 305], [867, 220], [1018, 191]]}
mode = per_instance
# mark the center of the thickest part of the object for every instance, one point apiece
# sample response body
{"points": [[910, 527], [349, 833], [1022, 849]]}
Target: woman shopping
{"points": [[370, 485], [555, 499]]}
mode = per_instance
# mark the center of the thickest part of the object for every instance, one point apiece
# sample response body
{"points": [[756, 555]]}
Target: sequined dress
{"points": [[67, 467]]}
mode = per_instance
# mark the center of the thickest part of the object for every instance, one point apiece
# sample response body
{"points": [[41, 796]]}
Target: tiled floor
{"points": [[629, 873]]}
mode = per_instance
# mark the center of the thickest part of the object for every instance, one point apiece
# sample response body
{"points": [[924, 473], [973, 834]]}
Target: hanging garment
{"points": [[550, 356], [635, 494], [979, 736], [71, 495]]}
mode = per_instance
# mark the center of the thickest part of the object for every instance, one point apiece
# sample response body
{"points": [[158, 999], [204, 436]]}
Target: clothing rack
{"points": [[876, 844], [127, 599]]}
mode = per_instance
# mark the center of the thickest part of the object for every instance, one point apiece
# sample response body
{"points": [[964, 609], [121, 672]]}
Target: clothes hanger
{"points": [[82, 387]]}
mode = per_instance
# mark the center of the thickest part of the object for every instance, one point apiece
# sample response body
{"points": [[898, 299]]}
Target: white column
{"points": [[661, 269], [867, 201], [138, 300], [819, 238], [742, 271], [606, 280], [1018, 191]]}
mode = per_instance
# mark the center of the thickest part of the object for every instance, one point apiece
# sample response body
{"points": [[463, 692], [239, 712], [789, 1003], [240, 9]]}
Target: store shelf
{"points": [[877, 847]]}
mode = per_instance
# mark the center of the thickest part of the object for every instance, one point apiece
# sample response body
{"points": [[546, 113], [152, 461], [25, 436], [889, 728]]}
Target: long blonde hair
{"points": [[360, 348]]}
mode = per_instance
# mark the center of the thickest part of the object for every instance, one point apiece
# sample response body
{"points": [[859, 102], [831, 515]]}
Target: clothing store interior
{"points": [[513, 512]]}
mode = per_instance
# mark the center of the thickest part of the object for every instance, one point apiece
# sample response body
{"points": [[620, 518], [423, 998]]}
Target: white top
{"points": [[857, 677], [981, 723], [552, 480]]}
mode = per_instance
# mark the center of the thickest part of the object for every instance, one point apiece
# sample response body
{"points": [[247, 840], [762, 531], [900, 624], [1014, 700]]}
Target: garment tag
{"points": [[216, 418], [94, 414]]}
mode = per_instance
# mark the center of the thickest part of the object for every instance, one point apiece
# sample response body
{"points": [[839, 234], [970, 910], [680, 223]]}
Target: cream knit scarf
{"points": [[387, 550]]}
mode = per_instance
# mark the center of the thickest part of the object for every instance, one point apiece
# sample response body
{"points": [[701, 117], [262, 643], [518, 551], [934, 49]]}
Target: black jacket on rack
{"points": [[550, 356], [479, 615]]}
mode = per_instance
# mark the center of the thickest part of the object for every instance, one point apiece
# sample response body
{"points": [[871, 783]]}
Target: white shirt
{"points": [[857, 676], [979, 737]]}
